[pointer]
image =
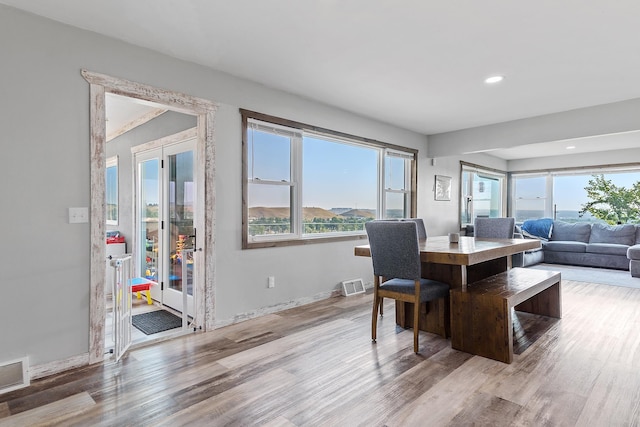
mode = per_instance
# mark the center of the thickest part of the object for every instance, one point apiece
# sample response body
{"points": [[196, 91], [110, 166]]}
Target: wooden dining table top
{"points": [[468, 251]]}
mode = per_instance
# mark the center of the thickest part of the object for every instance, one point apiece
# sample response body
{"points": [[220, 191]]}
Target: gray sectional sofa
{"points": [[591, 245]]}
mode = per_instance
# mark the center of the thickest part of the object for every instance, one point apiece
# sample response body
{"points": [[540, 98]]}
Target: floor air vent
{"points": [[14, 374], [352, 287]]}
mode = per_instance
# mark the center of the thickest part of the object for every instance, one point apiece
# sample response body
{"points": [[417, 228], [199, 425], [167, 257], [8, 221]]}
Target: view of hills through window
{"points": [[335, 182], [568, 195]]}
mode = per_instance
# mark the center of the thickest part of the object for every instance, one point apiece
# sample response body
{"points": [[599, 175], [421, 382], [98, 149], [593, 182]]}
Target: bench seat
{"points": [[481, 316]]}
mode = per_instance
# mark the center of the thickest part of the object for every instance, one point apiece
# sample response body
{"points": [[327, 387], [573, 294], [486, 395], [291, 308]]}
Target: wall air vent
{"points": [[14, 374], [352, 287]]}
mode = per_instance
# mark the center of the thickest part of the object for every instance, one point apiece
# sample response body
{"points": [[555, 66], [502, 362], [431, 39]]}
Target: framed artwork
{"points": [[443, 187]]}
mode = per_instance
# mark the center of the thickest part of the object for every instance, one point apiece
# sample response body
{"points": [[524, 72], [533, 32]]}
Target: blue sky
{"points": [[334, 175]]}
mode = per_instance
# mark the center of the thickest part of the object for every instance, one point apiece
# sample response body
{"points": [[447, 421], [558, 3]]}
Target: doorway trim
{"points": [[99, 85]]}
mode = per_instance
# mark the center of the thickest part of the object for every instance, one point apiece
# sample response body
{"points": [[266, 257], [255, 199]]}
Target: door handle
{"points": [[194, 236]]}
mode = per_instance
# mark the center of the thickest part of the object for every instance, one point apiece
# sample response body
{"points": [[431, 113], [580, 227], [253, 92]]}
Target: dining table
{"points": [[458, 264]]}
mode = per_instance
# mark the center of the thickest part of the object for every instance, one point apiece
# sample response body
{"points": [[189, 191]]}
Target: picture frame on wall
{"points": [[442, 187]]}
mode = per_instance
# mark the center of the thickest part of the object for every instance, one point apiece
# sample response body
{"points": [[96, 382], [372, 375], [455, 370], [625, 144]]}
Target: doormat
{"points": [[156, 321]]}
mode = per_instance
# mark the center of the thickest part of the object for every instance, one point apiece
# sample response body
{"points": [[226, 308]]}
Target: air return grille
{"points": [[352, 287], [14, 374]]}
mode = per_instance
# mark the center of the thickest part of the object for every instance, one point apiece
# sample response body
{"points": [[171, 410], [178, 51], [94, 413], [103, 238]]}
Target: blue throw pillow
{"points": [[540, 228]]}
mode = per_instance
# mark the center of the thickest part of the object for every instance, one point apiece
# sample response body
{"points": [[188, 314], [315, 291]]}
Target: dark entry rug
{"points": [[156, 321]]}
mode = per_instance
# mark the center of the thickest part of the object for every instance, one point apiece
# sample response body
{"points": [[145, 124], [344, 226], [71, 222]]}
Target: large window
{"points": [[562, 194], [305, 184], [531, 198], [483, 193]]}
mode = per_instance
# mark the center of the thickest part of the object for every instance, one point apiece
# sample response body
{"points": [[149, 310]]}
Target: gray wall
{"points": [[166, 124], [612, 157], [44, 105], [584, 122]]}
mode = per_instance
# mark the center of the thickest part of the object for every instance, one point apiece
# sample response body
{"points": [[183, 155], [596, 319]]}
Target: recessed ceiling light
{"points": [[494, 79], [571, 147]]}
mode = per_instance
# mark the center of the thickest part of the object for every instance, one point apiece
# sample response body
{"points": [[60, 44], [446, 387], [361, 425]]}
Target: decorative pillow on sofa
{"points": [[624, 234], [538, 228], [578, 232]]}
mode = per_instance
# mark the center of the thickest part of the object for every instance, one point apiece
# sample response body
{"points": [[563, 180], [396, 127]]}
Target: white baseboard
{"points": [[57, 366], [276, 308]]}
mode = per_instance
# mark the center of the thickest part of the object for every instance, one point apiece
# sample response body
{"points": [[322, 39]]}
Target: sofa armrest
{"points": [[633, 252]]}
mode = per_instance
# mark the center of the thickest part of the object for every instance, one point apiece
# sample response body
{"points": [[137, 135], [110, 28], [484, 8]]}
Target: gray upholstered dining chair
{"points": [[498, 228], [422, 235], [397, 271], [494, 228], [421, 229]]}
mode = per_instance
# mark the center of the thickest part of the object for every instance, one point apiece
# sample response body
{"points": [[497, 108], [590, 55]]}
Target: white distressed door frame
{"points": [[99, 84]]}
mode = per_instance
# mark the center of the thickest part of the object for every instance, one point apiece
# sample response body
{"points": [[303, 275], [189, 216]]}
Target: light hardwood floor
{"points": [[316, 366]]}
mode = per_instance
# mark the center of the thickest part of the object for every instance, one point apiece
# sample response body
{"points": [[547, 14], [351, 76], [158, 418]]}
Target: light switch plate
{"points": [[78, 215]]}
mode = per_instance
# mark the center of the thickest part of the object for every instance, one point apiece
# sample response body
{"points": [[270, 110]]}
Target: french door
{"points": [[165, 222]]}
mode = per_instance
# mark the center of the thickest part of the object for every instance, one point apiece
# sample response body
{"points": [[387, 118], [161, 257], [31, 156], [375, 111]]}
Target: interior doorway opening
{"points": [[155, 225], [204, 111]]}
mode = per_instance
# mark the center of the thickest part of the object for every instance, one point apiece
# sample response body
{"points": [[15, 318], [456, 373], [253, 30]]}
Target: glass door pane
{"points": [[149, 219], [487, 197], [181, 204], [180, 195]]}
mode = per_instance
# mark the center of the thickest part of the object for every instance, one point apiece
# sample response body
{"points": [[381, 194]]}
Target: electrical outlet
{"points": [[272, 282]]}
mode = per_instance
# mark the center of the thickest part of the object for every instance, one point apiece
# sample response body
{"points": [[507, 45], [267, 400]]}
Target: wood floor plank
{"points": [[4, 410], [289, 343], [235, 405], [445, 400], [55, 413], [613, 397], [316, 365], [279, 422]]}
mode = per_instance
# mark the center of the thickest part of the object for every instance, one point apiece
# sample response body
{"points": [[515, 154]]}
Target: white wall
{"points": [[44, 168]]}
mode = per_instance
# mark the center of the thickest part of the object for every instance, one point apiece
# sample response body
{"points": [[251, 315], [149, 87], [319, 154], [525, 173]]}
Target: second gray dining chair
{"points": [[494, 228], [420, 228]]}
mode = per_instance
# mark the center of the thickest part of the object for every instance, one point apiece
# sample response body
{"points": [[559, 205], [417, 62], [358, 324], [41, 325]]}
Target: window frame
{"points": [[551, 174], [547, 196], [298, 237], [490, 172]]}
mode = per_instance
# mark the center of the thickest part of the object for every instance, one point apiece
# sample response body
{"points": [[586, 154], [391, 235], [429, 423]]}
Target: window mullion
{"points": [[297, 184], [549, 196], [382, 191]]}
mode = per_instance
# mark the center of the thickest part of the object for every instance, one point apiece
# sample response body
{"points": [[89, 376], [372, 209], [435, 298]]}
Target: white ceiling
{"points": [[122, 111], [418, 64]]}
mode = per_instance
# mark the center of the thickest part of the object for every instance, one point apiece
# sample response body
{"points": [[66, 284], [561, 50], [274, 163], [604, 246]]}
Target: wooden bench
{"points": [[481, 320]]}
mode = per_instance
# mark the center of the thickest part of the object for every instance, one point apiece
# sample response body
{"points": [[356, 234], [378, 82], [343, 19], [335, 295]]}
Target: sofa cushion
{"points": [[578, 232], [637, 234], [634, 252], [607, 248], [624, 234], [565, 246]]}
